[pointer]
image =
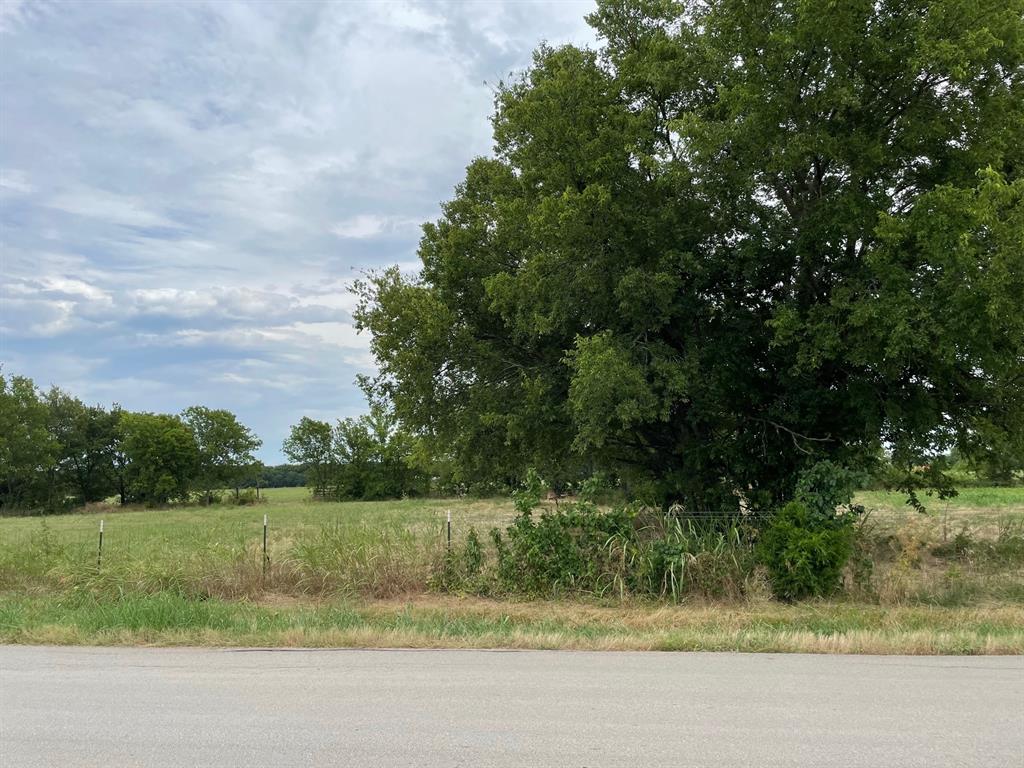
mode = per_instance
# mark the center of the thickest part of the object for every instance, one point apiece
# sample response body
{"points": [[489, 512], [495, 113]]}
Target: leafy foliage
{"points": [[374, 458], [310, 445], [734, 242], [56, 451], [367, 457], [579, 548], [559, 552], [86, 436], [28, 452], [162, 457], [826, 489], [224, 448], [805, 555]]}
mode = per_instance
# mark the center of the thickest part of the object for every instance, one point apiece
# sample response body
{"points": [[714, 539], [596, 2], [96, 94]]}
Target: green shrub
{"points": [[561, 551], [805, 554], [529, 495], [580, 549]]}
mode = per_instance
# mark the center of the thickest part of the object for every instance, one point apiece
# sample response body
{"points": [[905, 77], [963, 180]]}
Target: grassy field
{"points": [[360, 575], [980, 501]]}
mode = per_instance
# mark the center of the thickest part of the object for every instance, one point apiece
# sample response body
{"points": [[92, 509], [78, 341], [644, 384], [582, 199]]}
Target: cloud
{"points": [[184, 207], [367, 225], [14, 183], [76, 288], [108, 207], [13, 13]]}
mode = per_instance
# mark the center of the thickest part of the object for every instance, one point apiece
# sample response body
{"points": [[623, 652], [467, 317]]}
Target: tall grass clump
{"points": [[377, 560], [679, 556]]}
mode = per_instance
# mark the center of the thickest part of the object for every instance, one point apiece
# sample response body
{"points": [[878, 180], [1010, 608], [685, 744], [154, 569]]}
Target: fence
{"points": [[112, 538]]}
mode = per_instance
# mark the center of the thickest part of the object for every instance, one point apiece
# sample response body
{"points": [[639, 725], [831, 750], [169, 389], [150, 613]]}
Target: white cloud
{"points": [[367, 225], [109, 207], [74, 287], [14, 183], [191, 200], [335, 334], [360, 227], [29, 318], [284, 340]]}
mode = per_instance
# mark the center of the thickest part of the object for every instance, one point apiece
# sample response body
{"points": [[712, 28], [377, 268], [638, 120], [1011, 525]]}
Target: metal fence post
{"points": [[449, 530], [99, 551], [264, 546]]}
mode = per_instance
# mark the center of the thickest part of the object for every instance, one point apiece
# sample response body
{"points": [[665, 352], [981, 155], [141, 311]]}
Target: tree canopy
{"points": [[738, 239], [224, 448], [57, 452], [367, 457]]}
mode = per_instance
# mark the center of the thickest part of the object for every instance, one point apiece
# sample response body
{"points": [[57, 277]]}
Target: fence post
{"points": [[264, 546], [99, 551], [449, 530]]}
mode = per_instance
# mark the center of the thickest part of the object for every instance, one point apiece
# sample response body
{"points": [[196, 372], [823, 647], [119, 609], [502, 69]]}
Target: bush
{"points": [[580, 549], [804, 553], [529, 495], [246, 497], [825, 488], [561, 551]]}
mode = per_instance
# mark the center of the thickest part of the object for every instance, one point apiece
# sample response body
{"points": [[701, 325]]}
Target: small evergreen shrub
{"points": [[805, 553]]}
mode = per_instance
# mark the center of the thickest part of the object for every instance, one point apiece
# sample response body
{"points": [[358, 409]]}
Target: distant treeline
{"points": [[369, 457], [277, 476], [57, 452]]}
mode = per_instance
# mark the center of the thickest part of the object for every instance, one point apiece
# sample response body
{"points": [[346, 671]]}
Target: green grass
{"points": [[168, 619], [370, 548], [359, 574], [967, 501], [291, 512]]}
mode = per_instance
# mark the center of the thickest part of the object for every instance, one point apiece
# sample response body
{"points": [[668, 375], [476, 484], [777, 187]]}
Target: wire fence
{"points": [[94, 538]]}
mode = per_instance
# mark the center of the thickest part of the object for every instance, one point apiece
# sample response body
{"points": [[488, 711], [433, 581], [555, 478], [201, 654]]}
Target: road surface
{"points": [[109, 707]]}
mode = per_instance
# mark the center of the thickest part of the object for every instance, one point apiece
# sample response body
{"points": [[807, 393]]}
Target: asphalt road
{"points": [[185, 707]]}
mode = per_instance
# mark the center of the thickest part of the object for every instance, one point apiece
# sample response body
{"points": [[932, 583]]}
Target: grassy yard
{"points": [[360, 574]]}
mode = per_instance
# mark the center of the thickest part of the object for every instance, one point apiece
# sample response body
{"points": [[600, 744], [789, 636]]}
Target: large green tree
{"points": [[86, 437], [161, 458], [739, 238]]}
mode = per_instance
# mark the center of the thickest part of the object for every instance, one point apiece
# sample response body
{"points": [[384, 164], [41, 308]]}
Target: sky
{"points": [[188, 191]]}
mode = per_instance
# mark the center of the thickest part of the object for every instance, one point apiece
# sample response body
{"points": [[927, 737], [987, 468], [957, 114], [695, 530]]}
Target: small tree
{"points": [[224, 448], [374, 456], [311, 445]]}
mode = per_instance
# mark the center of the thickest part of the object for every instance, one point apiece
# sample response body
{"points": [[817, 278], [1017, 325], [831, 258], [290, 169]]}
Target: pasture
{"points": [[364, 574]]}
